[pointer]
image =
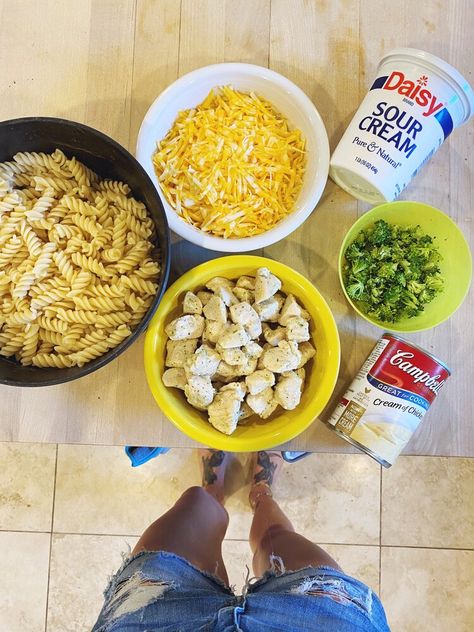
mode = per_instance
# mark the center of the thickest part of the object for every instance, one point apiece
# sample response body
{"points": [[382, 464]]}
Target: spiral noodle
{"points": [[30, 344], [114, 186], [133, 258], [91, 264], [82, 279], [65, 267], [137, 284], [23, 284], [86, 224], [102, 304], [31, 239], [119, 235], [44, 260], [54, 360]]}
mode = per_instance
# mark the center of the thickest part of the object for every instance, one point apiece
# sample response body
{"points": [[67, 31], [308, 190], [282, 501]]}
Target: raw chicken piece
{"points": [[216, 282], [265, 347], [266, 284], [232, 356], [291, 308], [227, 295], [249, 366], [263, 404], [245, 413], [239, 388], [273, 336], [268, 310], [244, 295], [281, 298], [288, 390], [234, 336], [226, 371], [254, 329], [297, 329], [204, 296], [224, 410], [191, 304], [301, 373], [285, 357], [270, 409], [199, 391], [204, 361], [175, 378], [212, 331], [246, 282], [184, 327], [223, 289], [307, 352], [244, 314], [253, 349], [215, 310], [177, 351], [259, 380]]}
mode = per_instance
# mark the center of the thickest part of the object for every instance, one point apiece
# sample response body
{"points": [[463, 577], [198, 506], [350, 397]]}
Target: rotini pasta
{"points": [[78, 266]]}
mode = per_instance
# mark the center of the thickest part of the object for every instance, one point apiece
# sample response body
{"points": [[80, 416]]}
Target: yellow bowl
{"points": [[282, 426]]}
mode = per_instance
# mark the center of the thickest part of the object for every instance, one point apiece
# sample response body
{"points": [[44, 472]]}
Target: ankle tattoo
{"points": [[210, 463], [268, 469]]}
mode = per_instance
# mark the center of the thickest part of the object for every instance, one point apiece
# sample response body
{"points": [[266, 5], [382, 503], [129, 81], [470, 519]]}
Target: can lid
{"points": [[442, 68]]}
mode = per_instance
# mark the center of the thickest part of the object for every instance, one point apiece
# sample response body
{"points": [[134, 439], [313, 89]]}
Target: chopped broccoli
{"points": [[355, 290], [392, 271], [381, 233]]}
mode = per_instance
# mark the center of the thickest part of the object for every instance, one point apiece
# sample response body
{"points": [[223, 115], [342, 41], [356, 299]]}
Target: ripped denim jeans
{"points": [[163, 592]]}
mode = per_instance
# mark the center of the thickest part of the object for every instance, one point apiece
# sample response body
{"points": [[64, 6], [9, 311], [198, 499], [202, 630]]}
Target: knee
{"points": [[272, 537], [197, 496]]}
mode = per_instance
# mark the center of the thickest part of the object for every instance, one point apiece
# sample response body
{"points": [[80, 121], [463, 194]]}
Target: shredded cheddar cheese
{"points": [[231, 166]]}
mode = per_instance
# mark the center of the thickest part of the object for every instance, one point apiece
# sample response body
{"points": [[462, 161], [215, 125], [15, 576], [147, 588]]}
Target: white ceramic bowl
{"points": [[189, 91]]}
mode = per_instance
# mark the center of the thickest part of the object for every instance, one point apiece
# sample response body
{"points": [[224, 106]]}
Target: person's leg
{"points": [[195, 526], [272, 536]]}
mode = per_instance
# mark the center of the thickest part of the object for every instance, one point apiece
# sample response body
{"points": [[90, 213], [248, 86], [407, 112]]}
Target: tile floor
{"points": [[69, 513]]}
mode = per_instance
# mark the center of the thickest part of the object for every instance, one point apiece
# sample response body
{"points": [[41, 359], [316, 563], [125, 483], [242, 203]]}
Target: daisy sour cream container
{"points": [[413, 105]]}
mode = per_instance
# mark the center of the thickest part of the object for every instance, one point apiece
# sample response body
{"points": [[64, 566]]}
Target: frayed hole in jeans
{"points": [[335, 589], [134, 594], [277, 565]]}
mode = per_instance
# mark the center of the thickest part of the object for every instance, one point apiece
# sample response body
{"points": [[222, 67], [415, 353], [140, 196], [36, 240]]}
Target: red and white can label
{"points": [[389, 397]]}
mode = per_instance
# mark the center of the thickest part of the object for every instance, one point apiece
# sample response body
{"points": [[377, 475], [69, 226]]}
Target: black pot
{"points": [[110, 160]]}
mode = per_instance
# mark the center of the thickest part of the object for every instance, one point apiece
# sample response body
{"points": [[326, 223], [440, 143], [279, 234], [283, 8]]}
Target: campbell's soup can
{"points": [[413, 105], [388, 398]]}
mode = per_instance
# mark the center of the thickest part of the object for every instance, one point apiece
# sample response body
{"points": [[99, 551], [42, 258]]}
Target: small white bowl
{"points": [[189, 91]]}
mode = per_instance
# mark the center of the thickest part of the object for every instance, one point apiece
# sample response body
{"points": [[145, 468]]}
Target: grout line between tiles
{"points": [[25, 531], [51, 541], [360, 544], [426, 548]]}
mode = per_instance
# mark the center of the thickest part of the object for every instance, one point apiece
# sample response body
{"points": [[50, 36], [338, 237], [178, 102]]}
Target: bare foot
{"points": [[213, 467], [265, 469]]}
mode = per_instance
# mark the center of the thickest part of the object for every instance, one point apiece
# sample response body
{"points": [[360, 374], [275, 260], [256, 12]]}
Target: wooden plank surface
{"points": [[103, 62]]}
